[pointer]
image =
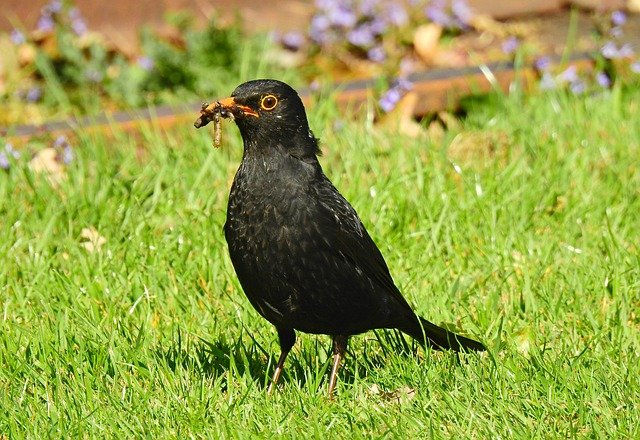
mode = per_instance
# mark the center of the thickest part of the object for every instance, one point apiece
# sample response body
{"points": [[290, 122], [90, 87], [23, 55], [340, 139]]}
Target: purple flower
{"points": [[603, 80], [60, 142], [404, 84], [8, 148], [462, 12], [542, 64], [74, 13], [292, 40], [6, 154], [315, 85], [146, 63], [67, 154], [397, 14], [635, 67], [618, 18], [319, 29], [45, 24], [54, 7], [437, 14], [377, 54], [62, 146], [569, 75], [377, 26], [407, 66], [342, 16], [326, 4], [361, 36], [609, 50], [391, 97], [510, 45], [79, 26], [17, 37], [578, 87], [4, 161], [368, 7], [33, 94]]}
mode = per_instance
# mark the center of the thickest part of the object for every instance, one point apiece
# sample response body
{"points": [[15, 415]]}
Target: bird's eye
{"points": [[268, 102]]}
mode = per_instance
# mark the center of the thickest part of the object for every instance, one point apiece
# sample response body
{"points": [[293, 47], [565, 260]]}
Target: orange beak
{"points": [[226, 108], [230, 105]]}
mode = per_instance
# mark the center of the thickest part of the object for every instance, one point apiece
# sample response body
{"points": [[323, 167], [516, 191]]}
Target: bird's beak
{"points": [[226, 108], [229, 105]]}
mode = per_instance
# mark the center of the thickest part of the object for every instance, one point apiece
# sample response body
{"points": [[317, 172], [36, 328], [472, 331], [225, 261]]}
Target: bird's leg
{"points": [[278, 371], [287, 339], [339, 349]]}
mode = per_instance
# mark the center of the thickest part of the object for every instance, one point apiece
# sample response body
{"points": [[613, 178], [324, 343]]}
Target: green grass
{"points": [[532, 246]]}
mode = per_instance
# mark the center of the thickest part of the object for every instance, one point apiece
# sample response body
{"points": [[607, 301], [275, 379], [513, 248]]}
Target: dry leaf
{"points": [[45, 162], [486, 24], [27, 54], [425, 41], [401, 395], [435, 131], [524, 339], [449, 120], [479, 148], [94, 240]]}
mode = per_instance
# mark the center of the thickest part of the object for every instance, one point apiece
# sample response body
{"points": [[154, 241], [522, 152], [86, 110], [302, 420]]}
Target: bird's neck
{"points": [[298, 142], [266, 164]]}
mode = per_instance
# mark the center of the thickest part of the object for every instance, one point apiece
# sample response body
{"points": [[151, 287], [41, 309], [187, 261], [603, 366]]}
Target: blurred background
{"points": [[77, 58]]}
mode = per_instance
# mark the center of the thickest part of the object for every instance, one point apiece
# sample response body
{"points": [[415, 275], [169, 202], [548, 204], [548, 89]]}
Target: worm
{"points": [[207, 115], [217, 132]]}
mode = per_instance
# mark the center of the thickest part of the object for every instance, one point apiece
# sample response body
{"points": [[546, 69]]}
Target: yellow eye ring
{"points": [[268, 102]]}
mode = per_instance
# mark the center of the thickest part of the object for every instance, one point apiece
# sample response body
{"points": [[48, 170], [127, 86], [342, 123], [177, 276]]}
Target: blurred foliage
{"points": [[61, 67]]}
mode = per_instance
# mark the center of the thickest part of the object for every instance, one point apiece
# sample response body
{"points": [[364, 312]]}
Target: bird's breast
{"points": [[267, 215]]}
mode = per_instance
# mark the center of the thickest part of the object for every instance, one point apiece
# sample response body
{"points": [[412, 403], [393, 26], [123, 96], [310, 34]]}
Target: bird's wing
{"points": [[341, 224]]}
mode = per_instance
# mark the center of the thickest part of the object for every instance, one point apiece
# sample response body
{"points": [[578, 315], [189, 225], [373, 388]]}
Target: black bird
{"points": [[302, 255]]}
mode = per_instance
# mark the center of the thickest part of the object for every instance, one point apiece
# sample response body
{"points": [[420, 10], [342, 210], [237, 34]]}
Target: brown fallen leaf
{"points": [[449, 120], [425, 41], [436, 132], [46, 162], [524, 339], [401, 395], [94, 241], [27, 54], [479, 148]]}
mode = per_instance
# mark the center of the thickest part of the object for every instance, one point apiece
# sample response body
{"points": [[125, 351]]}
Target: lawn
{"points": [[121, 316]]}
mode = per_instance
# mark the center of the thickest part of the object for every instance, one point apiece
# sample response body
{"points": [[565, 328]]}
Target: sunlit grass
{"points": [[526, 237]]}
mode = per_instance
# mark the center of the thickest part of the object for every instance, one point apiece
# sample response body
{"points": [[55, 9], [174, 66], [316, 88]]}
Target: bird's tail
{"points": [[440, 338]]}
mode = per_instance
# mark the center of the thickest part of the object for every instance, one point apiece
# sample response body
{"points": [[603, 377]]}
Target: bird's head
{"points": [[269, 114]]}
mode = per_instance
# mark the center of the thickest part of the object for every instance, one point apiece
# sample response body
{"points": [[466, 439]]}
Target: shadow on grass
{"points": [[213, 359], [365, 353], [311, 362]]}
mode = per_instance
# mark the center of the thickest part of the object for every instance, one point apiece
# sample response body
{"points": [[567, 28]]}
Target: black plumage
{"points": [[302, 255]]}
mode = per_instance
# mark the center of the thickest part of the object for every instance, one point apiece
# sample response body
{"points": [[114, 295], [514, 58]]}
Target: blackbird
{"points": [[301, 253]]}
